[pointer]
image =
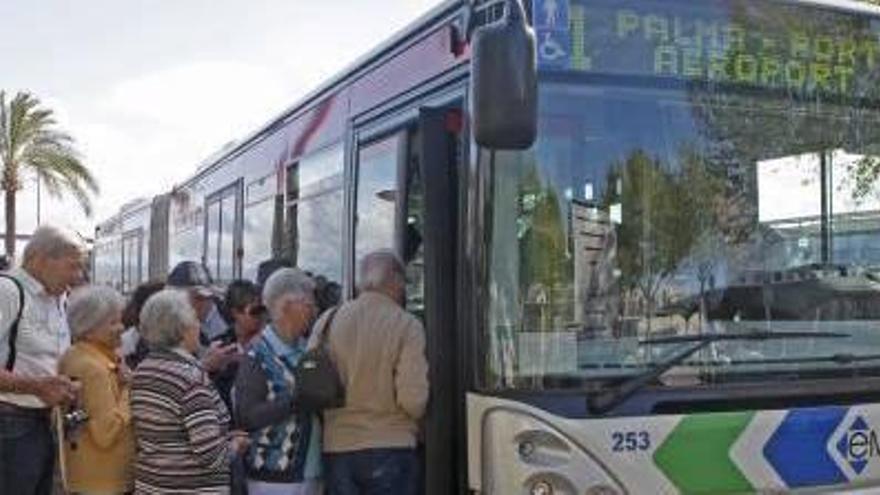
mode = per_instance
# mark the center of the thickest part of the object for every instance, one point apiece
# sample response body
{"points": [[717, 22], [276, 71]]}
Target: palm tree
{"points": [[30, 141]]}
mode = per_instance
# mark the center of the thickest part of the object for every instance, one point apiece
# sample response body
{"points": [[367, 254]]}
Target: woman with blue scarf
{"points": [[285, 452]]}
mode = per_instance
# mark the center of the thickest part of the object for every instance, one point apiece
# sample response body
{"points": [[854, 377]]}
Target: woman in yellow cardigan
{"points": [[99, 458]]}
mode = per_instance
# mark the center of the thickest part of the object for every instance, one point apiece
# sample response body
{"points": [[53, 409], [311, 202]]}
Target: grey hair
{"points": [[52, 242], [380, 270], [90, 307], [165, 317], [287, 281]]}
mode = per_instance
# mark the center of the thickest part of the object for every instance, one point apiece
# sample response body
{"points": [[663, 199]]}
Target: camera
{"points": [[73, 420]]}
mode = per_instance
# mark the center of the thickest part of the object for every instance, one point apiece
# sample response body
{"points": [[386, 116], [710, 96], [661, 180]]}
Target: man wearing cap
{"points": [[194, 278], [33, 337]]}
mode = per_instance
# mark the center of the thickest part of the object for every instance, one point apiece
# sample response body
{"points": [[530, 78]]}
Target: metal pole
{"points": [[823, 184]]}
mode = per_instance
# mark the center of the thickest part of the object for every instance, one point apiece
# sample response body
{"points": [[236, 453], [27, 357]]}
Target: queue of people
{"points": [[179, 399]]}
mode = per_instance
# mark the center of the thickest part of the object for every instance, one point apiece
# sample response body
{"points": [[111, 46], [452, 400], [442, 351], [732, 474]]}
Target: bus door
{"points": [[406, 199]]}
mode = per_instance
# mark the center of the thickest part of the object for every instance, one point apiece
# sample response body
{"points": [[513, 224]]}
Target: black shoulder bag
{"points": [[13, 329], [318, 385]]}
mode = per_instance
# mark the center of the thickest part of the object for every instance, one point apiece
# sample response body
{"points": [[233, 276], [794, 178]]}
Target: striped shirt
{"points": [[181, 427]]}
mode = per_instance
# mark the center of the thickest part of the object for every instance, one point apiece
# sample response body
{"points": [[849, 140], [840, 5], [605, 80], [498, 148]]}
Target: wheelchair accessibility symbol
{"points": [[551, 49]]}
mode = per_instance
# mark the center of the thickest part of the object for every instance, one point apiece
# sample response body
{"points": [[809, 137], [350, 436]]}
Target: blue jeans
{"points": [[373, 472], [27, 454]]}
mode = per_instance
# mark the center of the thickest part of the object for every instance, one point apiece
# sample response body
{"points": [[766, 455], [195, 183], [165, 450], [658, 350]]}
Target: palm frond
{"points": [[30, 139]]}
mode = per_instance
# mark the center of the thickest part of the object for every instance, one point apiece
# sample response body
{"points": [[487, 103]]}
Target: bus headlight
{"points": [[523, 454]]}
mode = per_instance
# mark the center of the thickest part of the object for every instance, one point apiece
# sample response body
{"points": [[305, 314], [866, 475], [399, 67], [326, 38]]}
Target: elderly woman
{"points": [[94, 315], [181, 425], [284, 456]]}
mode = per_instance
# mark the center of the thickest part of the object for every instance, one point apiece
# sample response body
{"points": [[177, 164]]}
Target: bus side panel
{"points": [[426, 59]]}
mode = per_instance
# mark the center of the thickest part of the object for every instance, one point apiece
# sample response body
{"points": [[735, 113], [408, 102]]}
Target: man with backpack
{"points": [[33, 337]]}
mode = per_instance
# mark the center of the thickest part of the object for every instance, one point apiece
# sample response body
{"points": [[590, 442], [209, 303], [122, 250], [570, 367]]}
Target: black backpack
{"points": [[13, 329], [318, 385]]}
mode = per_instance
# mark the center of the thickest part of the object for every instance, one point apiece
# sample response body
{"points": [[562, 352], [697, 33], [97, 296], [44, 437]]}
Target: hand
{"points": [[123, 372], [55, 390], [239, 442], [218, 356]]}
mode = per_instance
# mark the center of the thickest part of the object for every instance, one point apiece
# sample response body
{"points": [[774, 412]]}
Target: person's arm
{"points": [[9, 383], [254, 410], [411, 372], [109, 418], [201, 421]]}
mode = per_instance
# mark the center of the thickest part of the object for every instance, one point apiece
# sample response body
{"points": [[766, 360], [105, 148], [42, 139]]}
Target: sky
{"points": [[150, 88]]}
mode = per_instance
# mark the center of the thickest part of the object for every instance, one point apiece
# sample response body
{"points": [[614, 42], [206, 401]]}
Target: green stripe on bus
{"points": [[696, 455]]}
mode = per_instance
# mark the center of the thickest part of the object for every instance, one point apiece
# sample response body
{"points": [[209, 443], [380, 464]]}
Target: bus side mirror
{"points": [[504, 83]]}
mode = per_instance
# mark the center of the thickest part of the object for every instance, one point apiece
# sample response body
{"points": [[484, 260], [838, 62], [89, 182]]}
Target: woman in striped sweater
{"points": [[181, 425]]}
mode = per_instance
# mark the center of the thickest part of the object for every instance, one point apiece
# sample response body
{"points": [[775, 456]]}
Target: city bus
{"points": [[643, 236]]}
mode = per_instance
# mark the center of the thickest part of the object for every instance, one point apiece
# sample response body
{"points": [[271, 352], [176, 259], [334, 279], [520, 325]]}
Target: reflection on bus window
{"points": [[644, 212], [220, 234], [376, 209], [257, 237], [314, 213]]}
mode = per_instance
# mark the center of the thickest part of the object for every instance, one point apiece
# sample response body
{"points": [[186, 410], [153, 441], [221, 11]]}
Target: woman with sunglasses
{"points": [[246, 315]]}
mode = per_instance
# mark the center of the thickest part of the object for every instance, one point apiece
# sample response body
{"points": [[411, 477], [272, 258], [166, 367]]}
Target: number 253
{"points": [[630, 441]]}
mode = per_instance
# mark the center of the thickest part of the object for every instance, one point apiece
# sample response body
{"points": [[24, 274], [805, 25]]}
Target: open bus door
{"points": [[425, 154], [439, 145]]}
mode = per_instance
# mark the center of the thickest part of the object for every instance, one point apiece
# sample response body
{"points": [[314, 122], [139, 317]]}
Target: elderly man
{"points": [[379, 351], [33, 337], [194, 278]]}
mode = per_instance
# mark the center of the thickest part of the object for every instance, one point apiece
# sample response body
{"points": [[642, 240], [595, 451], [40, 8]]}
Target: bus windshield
{"points": [[663, 199]]}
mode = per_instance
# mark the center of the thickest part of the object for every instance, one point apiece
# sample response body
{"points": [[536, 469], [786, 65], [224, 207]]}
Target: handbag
{"points": [[318, 384]]}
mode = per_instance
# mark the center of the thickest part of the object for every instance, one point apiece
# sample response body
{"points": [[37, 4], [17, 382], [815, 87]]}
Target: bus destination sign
{"points": [[766, 45]]}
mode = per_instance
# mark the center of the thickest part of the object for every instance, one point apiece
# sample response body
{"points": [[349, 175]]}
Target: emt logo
{"points": [[859, 445]]}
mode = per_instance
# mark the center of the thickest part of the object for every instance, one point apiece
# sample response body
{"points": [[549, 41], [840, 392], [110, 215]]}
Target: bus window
{"points": [[376, 196], [413, 248], [220, 233], [314, 213], [131, 260], [258, 221], [212, 225]]}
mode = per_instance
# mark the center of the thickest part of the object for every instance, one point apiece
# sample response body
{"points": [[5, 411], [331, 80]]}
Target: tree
{"points": [[31, 141], [654, 236]]}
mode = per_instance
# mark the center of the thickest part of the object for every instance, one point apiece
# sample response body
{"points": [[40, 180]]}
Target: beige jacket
{"points": [[379, 351]]}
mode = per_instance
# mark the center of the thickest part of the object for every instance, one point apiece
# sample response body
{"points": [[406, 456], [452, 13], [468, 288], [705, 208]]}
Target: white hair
{"points": [[90, 307], [165, 317], [286, 281], [52, 242], [381, 270]]}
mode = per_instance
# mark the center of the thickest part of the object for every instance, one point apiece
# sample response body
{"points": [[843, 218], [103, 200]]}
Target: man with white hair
{"points": [[33, 337], [379, 351]]}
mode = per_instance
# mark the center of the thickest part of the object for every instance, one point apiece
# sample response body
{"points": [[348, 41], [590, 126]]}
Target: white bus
{"points": [[642, 234]]}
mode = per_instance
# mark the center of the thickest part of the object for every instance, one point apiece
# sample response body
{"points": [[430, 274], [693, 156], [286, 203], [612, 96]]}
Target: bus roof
{"points": [[410, 31]]}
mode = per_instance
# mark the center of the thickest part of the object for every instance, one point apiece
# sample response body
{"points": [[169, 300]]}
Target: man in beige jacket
{"points": [[379, 351]]}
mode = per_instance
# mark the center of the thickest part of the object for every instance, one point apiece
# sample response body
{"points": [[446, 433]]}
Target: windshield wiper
{"points": [[608, 399]]}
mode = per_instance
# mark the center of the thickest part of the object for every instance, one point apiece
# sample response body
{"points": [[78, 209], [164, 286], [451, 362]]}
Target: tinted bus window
{"points": [[376, 196], [314, 213]]}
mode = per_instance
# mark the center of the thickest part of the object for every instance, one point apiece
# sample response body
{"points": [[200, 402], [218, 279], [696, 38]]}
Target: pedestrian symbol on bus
{"points": [[551, 14]]}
